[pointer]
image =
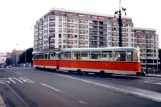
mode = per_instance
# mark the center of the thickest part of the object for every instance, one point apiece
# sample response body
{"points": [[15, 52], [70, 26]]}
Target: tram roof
{"points": [[89, 49], [101, 49]]}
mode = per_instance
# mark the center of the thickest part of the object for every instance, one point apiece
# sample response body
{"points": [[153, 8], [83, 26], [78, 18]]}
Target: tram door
{"points": [[76, 55]]}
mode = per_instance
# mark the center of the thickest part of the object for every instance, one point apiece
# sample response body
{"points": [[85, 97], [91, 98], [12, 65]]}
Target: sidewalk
{"points": [[2, 102], [155, 75]]}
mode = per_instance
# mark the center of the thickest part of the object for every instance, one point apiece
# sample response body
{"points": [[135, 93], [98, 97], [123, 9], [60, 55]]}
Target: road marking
{"points": [[49, 87], [18, 73], [4, 81], [155, 96], [23, 79], [13, 78], [82, 102]]}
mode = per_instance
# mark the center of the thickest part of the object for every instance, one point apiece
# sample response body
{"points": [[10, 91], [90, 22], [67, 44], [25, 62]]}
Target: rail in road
{"points": [[37, 88]]}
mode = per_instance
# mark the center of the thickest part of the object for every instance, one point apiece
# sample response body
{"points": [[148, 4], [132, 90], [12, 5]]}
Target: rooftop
{"points": [[81, 12]]}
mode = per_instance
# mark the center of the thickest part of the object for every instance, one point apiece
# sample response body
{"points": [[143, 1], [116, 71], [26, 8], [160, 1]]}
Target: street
{"points": [[37, 88]]}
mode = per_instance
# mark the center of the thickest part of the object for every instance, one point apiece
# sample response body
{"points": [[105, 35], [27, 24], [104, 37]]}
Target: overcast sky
{"points": [[17, 17]]}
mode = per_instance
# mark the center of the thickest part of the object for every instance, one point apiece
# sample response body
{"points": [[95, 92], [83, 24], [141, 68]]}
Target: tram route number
{"points": [[15, 80]]}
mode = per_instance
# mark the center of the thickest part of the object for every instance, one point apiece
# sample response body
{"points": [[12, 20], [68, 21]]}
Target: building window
{"points": [[46, 36], [64, 24], [60, 18], [60, 30], [51, 18], [64, 35], [75, 30], [64, 41], [60, 25], [75, 36], [51, 24], [76, 20], [64, 18], [59, 41], [75, 41], [76, 25], [51, 29], [59, 35], [52, 34], [64, 30]]}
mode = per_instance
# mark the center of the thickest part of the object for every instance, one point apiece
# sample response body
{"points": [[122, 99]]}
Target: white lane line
{"points": [[82, 102], [18, 73], [155, 96], [13, 78], [49, 87]]}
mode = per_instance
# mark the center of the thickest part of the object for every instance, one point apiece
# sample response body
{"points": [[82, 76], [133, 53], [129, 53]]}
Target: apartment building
{"points": [[61, 28], [67, 28], [147, 40]]}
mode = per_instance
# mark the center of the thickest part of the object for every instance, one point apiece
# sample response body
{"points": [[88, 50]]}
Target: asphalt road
{"points": [[36, 88]]}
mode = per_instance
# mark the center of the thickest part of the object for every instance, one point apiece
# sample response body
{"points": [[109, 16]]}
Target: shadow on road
{"points": [[74, 73]]}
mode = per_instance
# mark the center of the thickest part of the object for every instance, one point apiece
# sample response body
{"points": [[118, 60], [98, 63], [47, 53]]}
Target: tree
{"points": [[8, 61], [29, 56]]}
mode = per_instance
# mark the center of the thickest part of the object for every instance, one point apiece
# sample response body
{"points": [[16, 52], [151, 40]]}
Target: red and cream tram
{"points": [[111, 60]]}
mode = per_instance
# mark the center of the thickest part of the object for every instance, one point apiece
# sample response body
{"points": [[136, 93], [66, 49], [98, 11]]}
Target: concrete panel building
{"points": [[62, 28]]}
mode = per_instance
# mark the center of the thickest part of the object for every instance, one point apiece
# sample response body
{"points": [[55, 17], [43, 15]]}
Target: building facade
{"points": [[61, 28], [148, 41], [2, 58], [14, 57]]}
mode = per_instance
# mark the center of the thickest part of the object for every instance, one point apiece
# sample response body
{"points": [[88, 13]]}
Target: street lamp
{"points": [[119, 13]]}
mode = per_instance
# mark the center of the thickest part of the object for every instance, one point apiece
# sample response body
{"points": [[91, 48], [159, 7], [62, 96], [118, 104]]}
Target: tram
{"points": [[109, 60]]}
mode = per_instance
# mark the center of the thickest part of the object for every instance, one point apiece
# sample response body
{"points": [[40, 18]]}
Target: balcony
{"points": [[102, 39], [93, 34], [94, 29]]}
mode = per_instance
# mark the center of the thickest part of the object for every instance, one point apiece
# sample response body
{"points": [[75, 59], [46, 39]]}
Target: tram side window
{"points": [[119, 56], [41, 56], [52, 55], [36, 56], [95, 55], [67, 55], [62, 55], [85, 55], [46, 56], [129, 56], [106, 55]]}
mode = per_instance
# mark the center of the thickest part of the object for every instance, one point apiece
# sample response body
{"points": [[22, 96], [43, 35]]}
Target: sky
{"points": [[17, 17]]}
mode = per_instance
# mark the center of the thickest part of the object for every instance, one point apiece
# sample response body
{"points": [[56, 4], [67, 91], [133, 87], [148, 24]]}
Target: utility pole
{"points": [[119, 13]]}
